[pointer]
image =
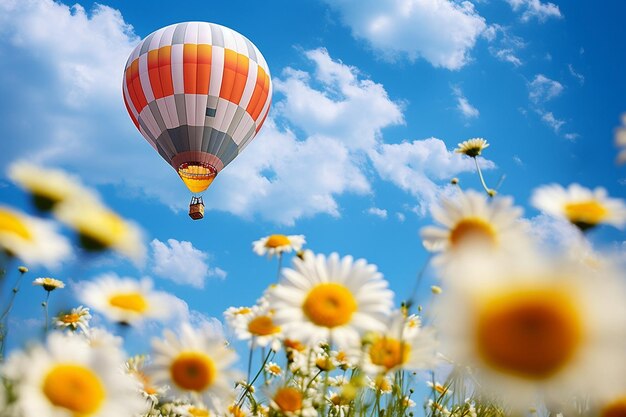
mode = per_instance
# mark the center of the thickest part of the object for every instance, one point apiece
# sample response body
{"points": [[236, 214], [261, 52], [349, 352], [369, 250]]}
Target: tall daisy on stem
{"points": [[330, 299], [277, 245], [49, 285], [473, 148]]}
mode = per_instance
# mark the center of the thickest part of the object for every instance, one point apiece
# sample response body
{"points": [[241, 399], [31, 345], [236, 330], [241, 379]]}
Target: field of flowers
{"points": [[513, 328]]}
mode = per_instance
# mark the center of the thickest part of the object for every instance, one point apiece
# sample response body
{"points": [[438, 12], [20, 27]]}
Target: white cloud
{"points": [[571, 136], [535, 9], [506, 55], [551, 232], [378, 212], [415, 28], [401, 217], [542, 89], [420, 167], [518, 161], [463, 105], [577, 75], [283, 177], [60, 95], [549, 119], [182, 263]]}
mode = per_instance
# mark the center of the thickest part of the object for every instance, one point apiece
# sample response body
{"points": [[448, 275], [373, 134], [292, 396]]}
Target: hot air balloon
{"points": [[199, 93]]}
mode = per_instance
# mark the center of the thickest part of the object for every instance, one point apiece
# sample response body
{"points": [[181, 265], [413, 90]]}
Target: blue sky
{"points": [[370, 99]]}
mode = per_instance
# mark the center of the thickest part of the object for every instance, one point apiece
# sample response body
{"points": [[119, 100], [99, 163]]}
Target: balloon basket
{"points": [[196, 208]]}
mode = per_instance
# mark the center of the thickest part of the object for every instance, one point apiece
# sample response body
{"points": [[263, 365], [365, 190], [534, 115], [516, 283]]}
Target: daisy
{"points": [[273, 369], [195, 363], [99, 228], [136, 367], [259, 327], [33, 240], [469, 220], [534, 329], [291, 402], [472, 147], [77, 318], [403, 345], [278, 244], [49, 284], [330, 298], [580, 206], [380, 383], [125, 300], [48, 187], [68, 378]]}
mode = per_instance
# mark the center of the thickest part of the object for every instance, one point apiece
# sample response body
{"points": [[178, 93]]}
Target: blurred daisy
{"points": [[259, 327], [334, 298], [48, 187], [273, 369], [136, 367], [278, 244], [535, 329], [77, 318], [33, 240], [469, 220], [381, 383], [49, 284], [402, 345], [68, 378], [125, 300], [192, 410], [472, 147], [99, 228], [580, 206], [195, 363], [291, 402]]}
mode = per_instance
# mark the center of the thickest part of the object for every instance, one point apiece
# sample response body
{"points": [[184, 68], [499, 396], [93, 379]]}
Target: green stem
{"points": [[45, 308], [482, 180]]}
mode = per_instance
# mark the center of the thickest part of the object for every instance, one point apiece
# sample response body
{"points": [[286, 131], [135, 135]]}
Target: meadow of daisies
{"points": [[514, 327]]}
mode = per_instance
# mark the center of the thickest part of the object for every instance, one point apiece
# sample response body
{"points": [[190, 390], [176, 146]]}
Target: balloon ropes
{"points": [[198, 92]]}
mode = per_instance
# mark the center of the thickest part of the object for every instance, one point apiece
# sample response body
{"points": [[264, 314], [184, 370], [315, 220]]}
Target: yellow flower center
{"points": [[198, 412], [193, 371], [262, 326], [329, 305], [274, 369], [71, 318], [588, 213], [288, 399], [275, 241], [389, 352], [616, 408], [236, 411], [101, 229], [294, 344], [10, 223], [75, 388], [131, 301], [532, 333], [472, 229]]}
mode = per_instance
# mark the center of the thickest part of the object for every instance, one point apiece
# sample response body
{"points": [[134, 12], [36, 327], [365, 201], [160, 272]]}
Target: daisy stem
{"points": [[249, 384], [418, 281], [45, 309], [482, 180], [280, 265], [16, 288]]}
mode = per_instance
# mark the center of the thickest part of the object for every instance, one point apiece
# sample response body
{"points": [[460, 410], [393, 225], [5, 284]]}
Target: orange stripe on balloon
{"points": [[165, 70], [153, 73], [241, 76], [136, 84], [130, 112], [204, 69], [190, 66], [262, 120], [265, 89], [228, 76], [256, 94]]}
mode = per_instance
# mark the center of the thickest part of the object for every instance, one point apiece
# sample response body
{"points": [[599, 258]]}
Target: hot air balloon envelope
{"points": [[198, 92]]}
